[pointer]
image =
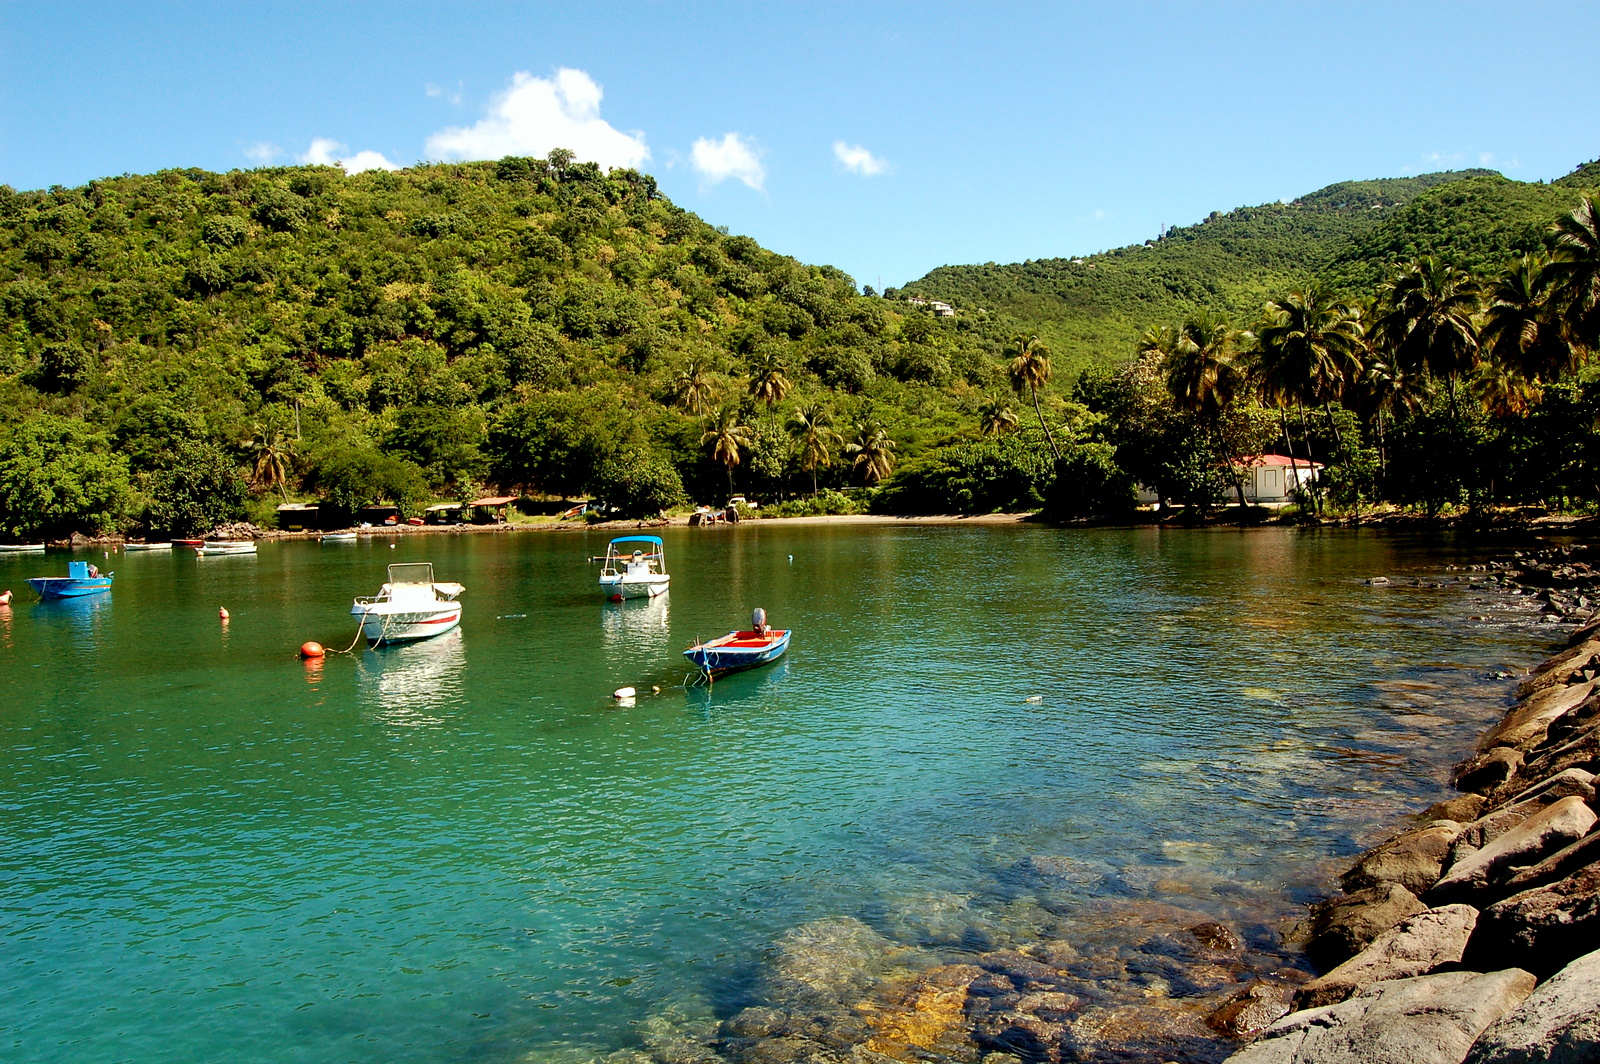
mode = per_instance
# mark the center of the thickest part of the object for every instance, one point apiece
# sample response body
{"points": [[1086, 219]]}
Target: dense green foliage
{"points": [[187, 347], [401, 336]]}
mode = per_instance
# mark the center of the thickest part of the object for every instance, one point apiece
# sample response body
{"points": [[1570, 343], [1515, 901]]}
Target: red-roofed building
{"points": [[1268, 478]]}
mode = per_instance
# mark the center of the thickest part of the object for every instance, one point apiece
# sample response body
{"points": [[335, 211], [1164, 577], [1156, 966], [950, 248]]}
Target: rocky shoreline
{"points": [[1472, 934]]}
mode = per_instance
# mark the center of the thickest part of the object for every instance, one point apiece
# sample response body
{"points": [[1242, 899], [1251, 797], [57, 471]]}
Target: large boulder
{"points": [[1563, 784], [1559, 825], [1343, 927], [1589, 630], [1558, 866], [1561, 669], [1414, 860], [1526, 725], [1542, 930], [1580, 749], [1486, 771], [1463, 809], [1431, 1019], [1416, 945], [826, 962], [1257, 1007], [1559, 1023]]}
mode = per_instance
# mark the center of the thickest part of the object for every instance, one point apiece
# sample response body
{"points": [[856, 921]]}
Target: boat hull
{"points": [[406, 626], [213, 550], [146, 546], [21, 548], [714, 660], [618, 588], [66, 587]]}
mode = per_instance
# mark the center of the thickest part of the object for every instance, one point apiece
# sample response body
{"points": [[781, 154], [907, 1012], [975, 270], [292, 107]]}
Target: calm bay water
{"points": [[463, 851]]}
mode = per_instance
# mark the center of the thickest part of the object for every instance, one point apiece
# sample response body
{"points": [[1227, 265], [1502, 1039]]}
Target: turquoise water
{"points": [[463, 850]]}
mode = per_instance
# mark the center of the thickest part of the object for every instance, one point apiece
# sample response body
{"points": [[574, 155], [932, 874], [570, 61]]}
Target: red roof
{"points": [[1275, 460], [498, 500]]}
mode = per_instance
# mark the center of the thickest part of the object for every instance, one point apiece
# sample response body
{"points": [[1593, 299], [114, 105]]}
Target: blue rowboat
{"points": [[80, 580], [759, 645]]}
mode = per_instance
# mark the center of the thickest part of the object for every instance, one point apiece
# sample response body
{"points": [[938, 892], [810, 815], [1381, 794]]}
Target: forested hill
{"points": [[518, 323], [1090, 309]]}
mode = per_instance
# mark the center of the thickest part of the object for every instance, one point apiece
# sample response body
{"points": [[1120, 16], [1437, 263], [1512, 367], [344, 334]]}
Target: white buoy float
{"points": [[1035, 698], [623, 692]]}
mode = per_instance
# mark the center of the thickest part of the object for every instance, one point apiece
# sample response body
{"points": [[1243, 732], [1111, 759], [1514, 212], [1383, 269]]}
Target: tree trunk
{"points": [[1288, 443], [1233, 467], [1037, 409]]}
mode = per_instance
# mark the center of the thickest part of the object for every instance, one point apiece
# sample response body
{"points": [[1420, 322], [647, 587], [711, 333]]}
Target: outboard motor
{"points": [[758, 621]]}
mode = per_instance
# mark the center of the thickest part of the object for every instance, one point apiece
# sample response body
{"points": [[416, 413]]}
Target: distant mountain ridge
{"points": [[1090, 309]]}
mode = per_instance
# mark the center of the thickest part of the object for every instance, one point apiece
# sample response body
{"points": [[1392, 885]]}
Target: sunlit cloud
{"points": [[262, 152], [732, 156], [859, 160], [451, 95], [325, 152], [535, 115]]}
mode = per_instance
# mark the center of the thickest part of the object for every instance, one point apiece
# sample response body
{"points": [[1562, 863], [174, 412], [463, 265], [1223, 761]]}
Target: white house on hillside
{"points": [[1268, 478]]}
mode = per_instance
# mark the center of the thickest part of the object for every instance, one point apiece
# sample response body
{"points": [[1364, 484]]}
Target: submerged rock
{"points": [[826, 962], [1255, 1008]]}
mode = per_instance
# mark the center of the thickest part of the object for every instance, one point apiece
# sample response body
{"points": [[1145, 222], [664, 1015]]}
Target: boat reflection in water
{"points": [[411, 685], [737, 693], [636, 624], [79, 616]]}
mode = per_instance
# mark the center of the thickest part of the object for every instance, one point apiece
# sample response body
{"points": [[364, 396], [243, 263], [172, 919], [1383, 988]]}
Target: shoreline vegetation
{"points": [[187, 349]]}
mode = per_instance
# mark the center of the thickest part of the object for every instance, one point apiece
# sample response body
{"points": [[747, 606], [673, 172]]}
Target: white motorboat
{"points": [[338, 537], [640, 573], [214, 547], [410, 606], [147, 546], [21, 548]]}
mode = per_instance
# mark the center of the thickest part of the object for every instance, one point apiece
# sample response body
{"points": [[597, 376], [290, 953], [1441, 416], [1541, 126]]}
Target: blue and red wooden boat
{"points": [[760, 645], [81, 579]]}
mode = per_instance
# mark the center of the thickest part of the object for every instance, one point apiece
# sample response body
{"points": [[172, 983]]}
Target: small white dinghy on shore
{"points": [[409, 607]]}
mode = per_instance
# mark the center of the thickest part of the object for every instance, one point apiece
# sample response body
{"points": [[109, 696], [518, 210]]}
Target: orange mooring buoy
{"points": [[311, 650], [5, 598], [223, 613]]}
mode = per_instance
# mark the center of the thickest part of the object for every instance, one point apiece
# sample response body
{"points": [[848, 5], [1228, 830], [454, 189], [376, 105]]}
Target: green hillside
{"points": [[1090, 309], [517, 323]]}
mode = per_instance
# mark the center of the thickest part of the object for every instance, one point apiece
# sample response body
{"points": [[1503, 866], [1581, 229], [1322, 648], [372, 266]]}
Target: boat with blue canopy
{"points": [[82, 579], [634, 567], [760, 645]]}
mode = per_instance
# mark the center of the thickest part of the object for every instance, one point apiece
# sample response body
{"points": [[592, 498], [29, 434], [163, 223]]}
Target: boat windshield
{"points": [[411, 573]]}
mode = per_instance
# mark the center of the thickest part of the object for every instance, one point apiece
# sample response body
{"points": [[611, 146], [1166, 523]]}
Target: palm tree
{"points": [[1200, 365], [1030, 369], [271, 455], [1504, 391], [1426, 321], [812, 428], [1576, 264], [693, 389], [767, 382], [1382, 390], [1307, 346], [996, 418], [873, 451], [728, 439], [1521, 330]]}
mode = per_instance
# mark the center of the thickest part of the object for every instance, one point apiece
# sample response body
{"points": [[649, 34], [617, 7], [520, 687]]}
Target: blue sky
{"points": [[886, 139]]}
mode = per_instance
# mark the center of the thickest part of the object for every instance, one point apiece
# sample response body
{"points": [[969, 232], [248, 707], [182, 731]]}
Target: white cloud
{"points": [[1485, 157], [859, 160], [535, 115], [453, 95], [732, 156], [325, 152], [263, 152]]}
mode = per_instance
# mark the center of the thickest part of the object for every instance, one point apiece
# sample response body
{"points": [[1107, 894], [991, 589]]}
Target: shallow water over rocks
{"points": [[998, 800]]}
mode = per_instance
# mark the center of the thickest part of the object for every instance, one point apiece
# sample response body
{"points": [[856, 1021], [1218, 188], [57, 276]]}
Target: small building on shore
{"points": [[1268, 479]]}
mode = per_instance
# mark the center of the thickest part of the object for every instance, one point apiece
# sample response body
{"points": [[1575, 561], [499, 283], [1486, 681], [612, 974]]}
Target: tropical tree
{"points": [[693, 389], [1030, 369], [1576, 264], [1521, 331], [996, 418], [271, 455], [1202, 375], [812, 429], [1425, 322], [1381, 392], [767, 381], [1307, 346], [873, 452], [728, 438]]}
